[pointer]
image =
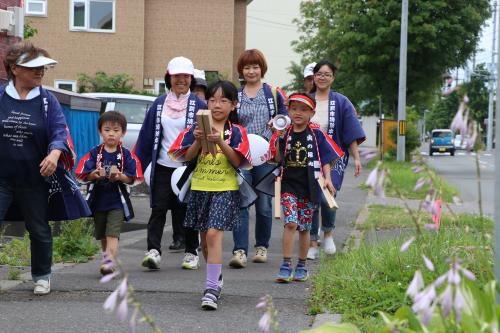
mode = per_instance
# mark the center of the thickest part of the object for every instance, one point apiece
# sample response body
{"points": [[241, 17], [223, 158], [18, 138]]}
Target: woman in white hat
{"points": [[36, 155], [169, 115]]}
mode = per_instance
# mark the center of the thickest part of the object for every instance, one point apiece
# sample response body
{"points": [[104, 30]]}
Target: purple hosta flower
{"points": [[108, 277], [428, 263], [416, 285], [420, 182], [262, 304], [417, 169], [371, 181], [265, 322], [468, 274], [110, 302], [406, 244], [458, 304], [446, 300], [453, 276], [458, 120], [123, 287], [368, 154], [122, 311], [424, 299], [378, 190]]}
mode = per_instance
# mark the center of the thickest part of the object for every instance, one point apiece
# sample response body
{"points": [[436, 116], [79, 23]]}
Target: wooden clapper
{"points": [[204, 120]]}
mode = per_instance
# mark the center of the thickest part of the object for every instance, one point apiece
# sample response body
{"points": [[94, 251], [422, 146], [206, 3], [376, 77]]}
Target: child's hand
{"points": [[115, 177], [281, 133], [215, 137], [329, 186], [95, 175], [198, 133]]}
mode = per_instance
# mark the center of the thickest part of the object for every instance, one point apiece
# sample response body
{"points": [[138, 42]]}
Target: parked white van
{"points": [[134, 107]]}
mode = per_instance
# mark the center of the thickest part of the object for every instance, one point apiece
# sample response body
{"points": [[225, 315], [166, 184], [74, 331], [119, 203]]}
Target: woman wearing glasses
{"points": [[36, 157], [337, 117]]}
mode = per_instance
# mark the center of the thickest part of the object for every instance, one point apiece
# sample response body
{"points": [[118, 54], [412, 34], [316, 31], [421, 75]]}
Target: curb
{"points": [[356, 235]]}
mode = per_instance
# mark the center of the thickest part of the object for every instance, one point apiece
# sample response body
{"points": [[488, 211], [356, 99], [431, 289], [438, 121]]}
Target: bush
{"points": [[75, 243]]}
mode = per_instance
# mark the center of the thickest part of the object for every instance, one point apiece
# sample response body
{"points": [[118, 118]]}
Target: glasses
{"points": [[324, 75], [222, 101]]}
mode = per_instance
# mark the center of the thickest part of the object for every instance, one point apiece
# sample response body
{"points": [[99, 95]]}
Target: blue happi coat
{"points": [[65, 199], [343, 127]]}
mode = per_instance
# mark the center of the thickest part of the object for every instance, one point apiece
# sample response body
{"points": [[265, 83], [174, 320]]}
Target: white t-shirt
{"points": [[321, 115], [171, 128]]}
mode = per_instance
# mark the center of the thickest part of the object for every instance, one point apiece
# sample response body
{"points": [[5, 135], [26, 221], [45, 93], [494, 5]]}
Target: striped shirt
{"points": [[254, 114]]}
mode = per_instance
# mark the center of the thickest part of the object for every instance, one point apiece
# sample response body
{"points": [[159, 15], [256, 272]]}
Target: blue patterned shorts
{"points": [[213, 210], [297, 210]]}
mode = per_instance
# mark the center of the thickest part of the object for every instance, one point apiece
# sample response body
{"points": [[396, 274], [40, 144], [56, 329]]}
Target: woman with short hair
{"points": [[258, 104]]}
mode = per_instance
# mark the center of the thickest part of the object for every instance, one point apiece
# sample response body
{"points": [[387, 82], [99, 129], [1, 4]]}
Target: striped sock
{"points": [[287, 261], [301, 263]]}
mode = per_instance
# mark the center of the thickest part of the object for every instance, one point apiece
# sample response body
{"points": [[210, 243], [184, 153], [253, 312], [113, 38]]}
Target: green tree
{"points": [[101, 82], [297, 84], [443, 110], [363, 37]]}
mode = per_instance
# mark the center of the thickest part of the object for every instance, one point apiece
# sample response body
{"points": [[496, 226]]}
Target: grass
{"points": [[402, 178], [74, 244], [389, 217], [375, 277], [14, 273]]}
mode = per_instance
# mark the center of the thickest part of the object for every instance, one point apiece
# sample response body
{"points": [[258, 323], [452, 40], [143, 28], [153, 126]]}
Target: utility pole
{"points": [[489, 131], [402, 82], [496, 245]]}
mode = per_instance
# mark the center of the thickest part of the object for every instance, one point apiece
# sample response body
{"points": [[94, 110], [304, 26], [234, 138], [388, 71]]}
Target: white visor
{"points": [[37, 62]]}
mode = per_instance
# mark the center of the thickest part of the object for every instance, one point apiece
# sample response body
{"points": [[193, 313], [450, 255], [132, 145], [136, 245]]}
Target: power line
{"points": [[272, 22]]}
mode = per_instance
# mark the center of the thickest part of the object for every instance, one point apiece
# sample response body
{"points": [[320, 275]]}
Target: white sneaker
{"points": [[152, 259], [191, 261], [330, 246], [260, 255], [42, 287], [313, 253], [239, 259]]}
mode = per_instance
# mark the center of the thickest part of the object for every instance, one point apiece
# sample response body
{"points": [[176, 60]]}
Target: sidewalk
{"points": [[172, 295]]}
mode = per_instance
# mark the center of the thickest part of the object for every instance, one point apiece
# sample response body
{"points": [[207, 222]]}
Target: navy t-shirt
{"points": [[107, 194], [23, 140], [295, 179]]}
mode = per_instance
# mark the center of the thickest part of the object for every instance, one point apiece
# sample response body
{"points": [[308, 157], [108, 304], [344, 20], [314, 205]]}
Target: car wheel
{"points": [[452, 152], [431, 152]]}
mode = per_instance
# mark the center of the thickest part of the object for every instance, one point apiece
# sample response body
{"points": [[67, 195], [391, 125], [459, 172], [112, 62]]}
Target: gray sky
{"points": [[270, 29]]}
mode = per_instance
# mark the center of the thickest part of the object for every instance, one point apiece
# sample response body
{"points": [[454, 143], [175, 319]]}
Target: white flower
{"points": [[122, 311], [122, 289], [110, 302], [406, 244], [371, 181], [265, 322], [416, 285], [428, 263]]}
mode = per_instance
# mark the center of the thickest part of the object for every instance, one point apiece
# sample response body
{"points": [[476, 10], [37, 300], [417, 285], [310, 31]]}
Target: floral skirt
{"points": [[213, 210]]}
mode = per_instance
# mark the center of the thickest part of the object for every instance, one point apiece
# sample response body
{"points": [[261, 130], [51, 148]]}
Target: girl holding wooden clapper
{"points": [[214, 200], [305, 153]]}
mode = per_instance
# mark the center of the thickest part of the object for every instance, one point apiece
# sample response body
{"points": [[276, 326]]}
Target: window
{"points": [[69, 85], [35, 8], [160, 87], [92, 15]]}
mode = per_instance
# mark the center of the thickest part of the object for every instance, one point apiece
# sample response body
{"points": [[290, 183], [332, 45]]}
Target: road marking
{"points": [[461, 154], [488, 154], [423, 153]]}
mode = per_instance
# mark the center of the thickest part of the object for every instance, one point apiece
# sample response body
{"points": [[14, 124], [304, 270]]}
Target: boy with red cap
{"points": [[304, 153]]}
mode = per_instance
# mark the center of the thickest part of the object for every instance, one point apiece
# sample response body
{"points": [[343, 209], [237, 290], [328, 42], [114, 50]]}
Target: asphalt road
{"points": [[172, 295], [461, 172]]}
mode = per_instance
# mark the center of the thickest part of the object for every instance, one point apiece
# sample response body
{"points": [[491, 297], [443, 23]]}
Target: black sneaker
{"points": [[177, 246], [209, 299]]}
